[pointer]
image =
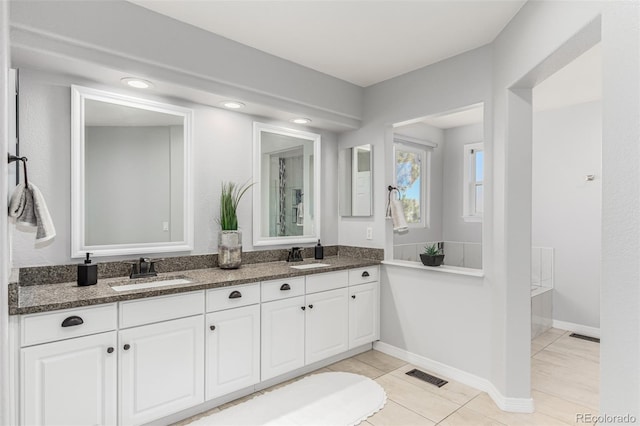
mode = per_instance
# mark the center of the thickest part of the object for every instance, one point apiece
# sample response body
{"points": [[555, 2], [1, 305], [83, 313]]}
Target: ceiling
{"points": [[360, 41]]}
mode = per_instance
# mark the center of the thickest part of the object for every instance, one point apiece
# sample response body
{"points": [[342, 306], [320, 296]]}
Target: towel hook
{"points": [[13, 158]]}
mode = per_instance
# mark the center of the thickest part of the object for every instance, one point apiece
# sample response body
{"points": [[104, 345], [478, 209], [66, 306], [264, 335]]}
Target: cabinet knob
{"points": [[72, 321], [127, 347], [284, 287], [353, 296], [303, 307], [109, 350], [212, 327], [310, 306], [235, 294], [365, 274]]}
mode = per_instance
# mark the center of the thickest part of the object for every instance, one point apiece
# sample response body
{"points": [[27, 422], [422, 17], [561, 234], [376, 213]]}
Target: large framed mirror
{"points": [[131, 186], [286, 200], [355, 172]]}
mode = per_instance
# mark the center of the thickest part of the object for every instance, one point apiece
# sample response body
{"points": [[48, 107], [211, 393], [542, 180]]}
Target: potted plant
{"points": [[432, 256], [229, 237]]}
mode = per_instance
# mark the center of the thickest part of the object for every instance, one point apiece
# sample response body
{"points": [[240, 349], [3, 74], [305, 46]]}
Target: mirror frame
{"points": [[258, 239], [79, 95]]}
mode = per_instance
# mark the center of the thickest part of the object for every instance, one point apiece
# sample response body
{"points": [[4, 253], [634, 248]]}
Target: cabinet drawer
{"points": [[161, 308], [48, 327], [282, 289], [232, 297], [363, 275], [328, 281]]}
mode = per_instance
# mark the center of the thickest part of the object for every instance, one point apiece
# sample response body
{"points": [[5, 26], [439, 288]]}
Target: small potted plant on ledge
{"points": [[432, 256], [229, 237]]}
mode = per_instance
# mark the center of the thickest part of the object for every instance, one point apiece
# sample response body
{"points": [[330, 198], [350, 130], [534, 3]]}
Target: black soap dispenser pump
{"points": [[319, 251], [87, 273]]}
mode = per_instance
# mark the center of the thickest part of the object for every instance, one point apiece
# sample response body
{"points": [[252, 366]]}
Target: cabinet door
{"points": [[72, 382], [233, 350], [161, 369], [282, 336], [363, 314], [326, 324]]}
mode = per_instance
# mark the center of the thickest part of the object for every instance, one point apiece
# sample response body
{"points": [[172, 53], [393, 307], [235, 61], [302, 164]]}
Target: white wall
{"points": [[5, 406], [454, 228], [222, 147], [450, 314], [567, 146], [128, 179]]}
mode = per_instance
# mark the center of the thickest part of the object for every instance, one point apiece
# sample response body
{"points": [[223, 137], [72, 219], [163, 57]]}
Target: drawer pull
{"points": [[303, 307], [365, 274], [284, 287], [212, 327], [353, 296], [126, 347], [109, 350], [235, 294], [72, 321], [310, 306]]}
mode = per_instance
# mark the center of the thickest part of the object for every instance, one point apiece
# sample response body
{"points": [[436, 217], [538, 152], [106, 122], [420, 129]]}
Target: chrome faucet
{"points": [[144, 267]]}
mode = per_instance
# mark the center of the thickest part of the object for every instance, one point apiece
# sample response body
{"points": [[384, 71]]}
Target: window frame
{"points": [[423, 148], [469, 213]]}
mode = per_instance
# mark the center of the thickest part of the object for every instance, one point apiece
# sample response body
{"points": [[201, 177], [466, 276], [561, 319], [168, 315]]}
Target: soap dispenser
{"points": [[319, 251], [87, 273]]}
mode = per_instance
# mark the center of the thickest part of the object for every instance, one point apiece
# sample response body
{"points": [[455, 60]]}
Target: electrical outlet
{"points": [[369, 233], [165, 226]]}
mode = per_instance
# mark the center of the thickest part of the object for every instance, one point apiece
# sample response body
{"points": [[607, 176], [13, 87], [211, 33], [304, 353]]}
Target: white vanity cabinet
{"points": [[161, 367], [66, 376], [232, 339], [364, 306], [326, 325]]}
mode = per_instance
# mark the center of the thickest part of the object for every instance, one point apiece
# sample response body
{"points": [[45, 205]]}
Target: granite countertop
{"points": [[50, 297]]}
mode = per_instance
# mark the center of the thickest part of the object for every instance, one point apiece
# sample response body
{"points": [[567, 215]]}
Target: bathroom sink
{"points": [[311, 266], [151, 284]]}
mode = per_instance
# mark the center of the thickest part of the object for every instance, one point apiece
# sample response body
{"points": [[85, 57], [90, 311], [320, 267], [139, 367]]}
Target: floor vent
{"points": [[436, 381], [583, 337]]}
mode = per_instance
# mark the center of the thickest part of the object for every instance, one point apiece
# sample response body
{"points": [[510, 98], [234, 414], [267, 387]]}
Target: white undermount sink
{"points": [[151, 284], [311, 266]]}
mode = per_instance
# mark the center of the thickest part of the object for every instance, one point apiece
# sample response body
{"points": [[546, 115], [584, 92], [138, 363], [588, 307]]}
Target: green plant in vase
{"points": [[229, 237], [432, 255]]}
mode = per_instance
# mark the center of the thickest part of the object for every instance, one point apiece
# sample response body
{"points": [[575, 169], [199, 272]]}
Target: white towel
{"points": [[300, 218], [27, 205], [395, 212]]}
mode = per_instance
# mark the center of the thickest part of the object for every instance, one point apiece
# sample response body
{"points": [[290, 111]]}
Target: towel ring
{"points": [[13, 158]]}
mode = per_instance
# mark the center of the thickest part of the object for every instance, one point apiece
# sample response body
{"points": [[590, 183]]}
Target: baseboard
{"points": [[514, 405], [577, 328]]}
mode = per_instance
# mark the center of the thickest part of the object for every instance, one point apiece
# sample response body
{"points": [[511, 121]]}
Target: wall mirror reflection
{"points": [[130, 180], [439, 172], [355, 173], [286, 206]]}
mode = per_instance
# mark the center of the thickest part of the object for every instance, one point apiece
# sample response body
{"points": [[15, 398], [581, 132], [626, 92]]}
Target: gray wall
{"points": [[454, 228], [567, 210], [222, 146], [128, 186]]}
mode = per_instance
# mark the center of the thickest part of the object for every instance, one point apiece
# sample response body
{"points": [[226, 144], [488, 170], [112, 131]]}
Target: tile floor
{"points": [[564, 378]]}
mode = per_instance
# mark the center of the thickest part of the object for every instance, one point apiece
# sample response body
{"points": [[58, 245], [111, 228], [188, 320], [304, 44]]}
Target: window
{"points": [[473, 203], [410, 178]]}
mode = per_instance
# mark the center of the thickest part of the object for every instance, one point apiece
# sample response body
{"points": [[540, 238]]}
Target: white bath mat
{"points": [[328, 399]]}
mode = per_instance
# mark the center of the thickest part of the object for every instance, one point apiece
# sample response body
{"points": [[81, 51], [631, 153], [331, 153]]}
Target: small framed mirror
{"points": [[355, 184], [131, 186], [286, 199]]}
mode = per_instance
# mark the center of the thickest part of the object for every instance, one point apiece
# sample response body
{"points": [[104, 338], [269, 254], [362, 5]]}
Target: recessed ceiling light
{"points": [[232, 104], [301, 120], [138, 83]]}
